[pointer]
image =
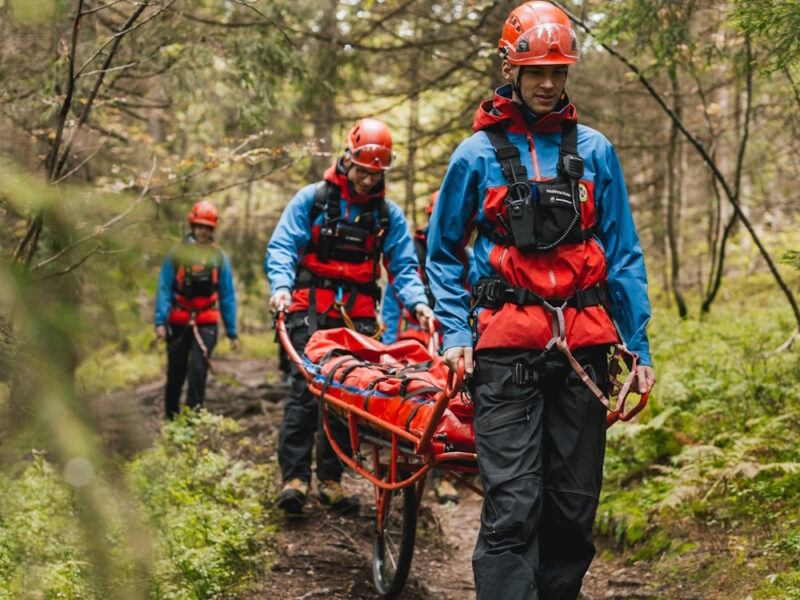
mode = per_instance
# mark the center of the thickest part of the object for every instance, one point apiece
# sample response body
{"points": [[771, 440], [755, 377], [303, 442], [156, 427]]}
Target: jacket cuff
{"points": [[644, 358], [457, 338]]}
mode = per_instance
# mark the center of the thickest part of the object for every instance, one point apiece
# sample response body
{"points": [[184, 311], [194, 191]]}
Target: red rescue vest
{"points": [[544, 252], [196, 284], [342, 260]]}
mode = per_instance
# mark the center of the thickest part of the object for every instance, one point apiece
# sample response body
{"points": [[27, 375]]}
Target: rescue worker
{"points": [[560, 263], [323, 262], [194, 288], [400, 324]]}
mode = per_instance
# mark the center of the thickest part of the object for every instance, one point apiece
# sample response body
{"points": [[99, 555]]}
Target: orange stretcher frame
{"points": [[413, 455]]}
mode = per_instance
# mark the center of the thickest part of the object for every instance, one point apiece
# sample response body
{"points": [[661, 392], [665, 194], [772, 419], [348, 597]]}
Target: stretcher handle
{"points": [[454, 381], [622, 389], [454, 385], [286, 342], [431, 340], [621, 415]]}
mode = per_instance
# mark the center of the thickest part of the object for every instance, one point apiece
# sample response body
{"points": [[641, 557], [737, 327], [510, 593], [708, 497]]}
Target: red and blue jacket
{"points": [[470, 198], [175, 308], [293, 246]]}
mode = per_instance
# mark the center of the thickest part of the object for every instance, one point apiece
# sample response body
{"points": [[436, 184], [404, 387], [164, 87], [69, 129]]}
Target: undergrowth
{"points": [[712, 467], [206, 534]]}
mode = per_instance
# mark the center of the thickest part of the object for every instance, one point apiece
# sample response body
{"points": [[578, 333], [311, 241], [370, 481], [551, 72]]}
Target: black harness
{"points": [[197, 274], [421, 248], [541, 216], [345, 242], [544, 214]]}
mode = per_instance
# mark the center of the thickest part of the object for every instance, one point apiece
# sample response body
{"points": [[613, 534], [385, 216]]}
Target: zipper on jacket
{"points": [[536, 175]]}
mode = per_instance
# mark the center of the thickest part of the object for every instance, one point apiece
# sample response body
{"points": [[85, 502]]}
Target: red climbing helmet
{"points": [[204, 213], [369, 144], [538, 33]]}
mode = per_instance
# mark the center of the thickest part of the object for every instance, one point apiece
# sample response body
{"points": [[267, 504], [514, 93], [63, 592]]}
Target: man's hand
{"points": [[161, 332], [280, 299], [451, 356], [424, 316], [234, 344], [645, 378]]}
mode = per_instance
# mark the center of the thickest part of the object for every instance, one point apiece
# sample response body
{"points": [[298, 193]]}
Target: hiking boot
{"points": [[444, 491], [293, 495], [332, 494]]}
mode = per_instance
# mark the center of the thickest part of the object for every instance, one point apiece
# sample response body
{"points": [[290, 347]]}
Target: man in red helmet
{"points": [[195, 287], [323, 262], [561, 272]]}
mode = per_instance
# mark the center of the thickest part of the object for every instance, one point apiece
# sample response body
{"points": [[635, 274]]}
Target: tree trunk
{"points": [[321, 97], [674, 193], [413, 125]]}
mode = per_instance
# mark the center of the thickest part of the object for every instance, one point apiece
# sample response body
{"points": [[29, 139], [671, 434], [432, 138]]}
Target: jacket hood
{"points": [[503, 110], [337, 175]]}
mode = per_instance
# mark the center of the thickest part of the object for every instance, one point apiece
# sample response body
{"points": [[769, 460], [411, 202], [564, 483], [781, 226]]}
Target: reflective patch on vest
{"points": [[583, 193]]}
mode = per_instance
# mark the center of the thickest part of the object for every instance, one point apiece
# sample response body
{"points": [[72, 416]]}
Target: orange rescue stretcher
{"points": [[406, 413]]}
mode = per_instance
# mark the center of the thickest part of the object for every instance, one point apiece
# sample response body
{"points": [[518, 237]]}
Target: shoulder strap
{"points": [[570, 162], [422, 254], [569, 138], [507, 155], [384, 215], [326, 200]]}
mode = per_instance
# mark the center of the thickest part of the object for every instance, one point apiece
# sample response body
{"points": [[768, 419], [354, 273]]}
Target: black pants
{"points": [[301, 413], [540, 450], [185, 356]]}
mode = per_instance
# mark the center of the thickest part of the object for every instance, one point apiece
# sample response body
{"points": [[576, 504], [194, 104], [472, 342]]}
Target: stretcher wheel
{"points": [[393, 547]]}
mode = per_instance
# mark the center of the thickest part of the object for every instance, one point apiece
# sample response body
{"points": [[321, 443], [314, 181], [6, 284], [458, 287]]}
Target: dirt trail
{"points": [[321, 554]]}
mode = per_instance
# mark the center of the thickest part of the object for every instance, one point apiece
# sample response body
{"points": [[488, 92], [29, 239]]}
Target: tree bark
{"points": [[321, 98], [413, 126], [674, 176]]}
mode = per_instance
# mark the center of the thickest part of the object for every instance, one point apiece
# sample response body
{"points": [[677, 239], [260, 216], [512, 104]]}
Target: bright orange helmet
{"points": [[538, 33], [431, 203], [204, 213], [369, 144]]}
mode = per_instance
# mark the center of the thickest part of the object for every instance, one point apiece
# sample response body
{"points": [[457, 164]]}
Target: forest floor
{"points": [[325, 555]]}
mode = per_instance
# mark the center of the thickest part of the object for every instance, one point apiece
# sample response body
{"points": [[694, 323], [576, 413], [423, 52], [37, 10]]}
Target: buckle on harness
{"points": [[523, 374], [489, 293], [559, 325]]}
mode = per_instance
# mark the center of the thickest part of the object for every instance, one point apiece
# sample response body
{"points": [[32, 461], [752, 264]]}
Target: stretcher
{"points": [[406, 413]]}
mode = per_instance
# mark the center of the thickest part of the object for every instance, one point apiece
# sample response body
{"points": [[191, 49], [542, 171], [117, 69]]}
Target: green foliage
{"points": [[717, 443], [773, 25], [793, 258], [206, 506], [109, 370], [41, 549], [208, 524]]}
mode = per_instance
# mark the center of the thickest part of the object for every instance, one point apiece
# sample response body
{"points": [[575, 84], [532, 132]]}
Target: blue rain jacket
{"points": [[473, 169], [167, 289], [293, 233]]}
